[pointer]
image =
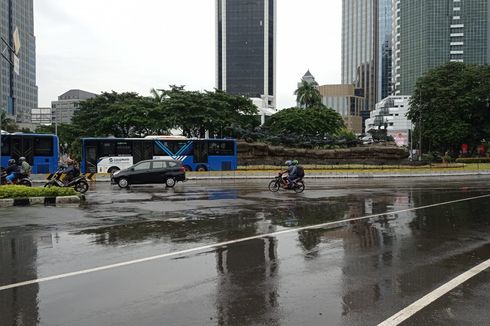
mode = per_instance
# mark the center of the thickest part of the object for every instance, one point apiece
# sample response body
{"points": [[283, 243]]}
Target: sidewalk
{"points": [[310, 174]]}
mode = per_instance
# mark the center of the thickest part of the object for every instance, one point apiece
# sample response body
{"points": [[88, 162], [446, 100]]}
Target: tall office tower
{"points": [[359, 49], [384, 49], [246, 49], [432, 33], [18, 93]]}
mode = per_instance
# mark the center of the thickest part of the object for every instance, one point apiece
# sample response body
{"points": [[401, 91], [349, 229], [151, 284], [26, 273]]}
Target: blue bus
{"points": [[40, 150], [107, 155]]}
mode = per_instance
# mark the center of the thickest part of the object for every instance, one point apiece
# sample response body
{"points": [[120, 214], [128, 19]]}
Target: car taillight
{"points": [[182, 169]]}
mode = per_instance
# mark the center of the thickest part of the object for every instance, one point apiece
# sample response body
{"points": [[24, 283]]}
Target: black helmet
{"points": [[11, 161]]}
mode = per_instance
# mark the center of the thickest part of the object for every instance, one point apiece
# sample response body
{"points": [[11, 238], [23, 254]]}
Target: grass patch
{"points": [[23, 192]]}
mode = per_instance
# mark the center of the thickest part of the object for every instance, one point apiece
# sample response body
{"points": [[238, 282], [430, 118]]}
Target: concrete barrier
{"points": [[31, 201]]}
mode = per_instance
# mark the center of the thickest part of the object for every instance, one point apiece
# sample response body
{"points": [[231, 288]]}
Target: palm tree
{"points": [[158, 95], [307, 95]]}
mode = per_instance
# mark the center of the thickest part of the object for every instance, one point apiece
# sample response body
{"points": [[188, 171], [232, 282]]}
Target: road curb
{"points": [[46, 201], [105, 177]]}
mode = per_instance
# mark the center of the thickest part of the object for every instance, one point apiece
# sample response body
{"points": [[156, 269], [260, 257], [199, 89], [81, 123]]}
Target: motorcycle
{"points": [[78, 183], [278, 182], [21, 179]]}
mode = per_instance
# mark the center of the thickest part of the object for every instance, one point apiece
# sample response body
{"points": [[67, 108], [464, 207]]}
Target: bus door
{"points": [[16, 147], [200, 151], [91, 158], [28, 149], [142, 150]]}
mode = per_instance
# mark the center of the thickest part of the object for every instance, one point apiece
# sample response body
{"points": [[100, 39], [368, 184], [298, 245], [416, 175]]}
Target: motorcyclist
{"points": [[291, 170], [70, 170], [293, 175], [11, 171], [25, 168]]}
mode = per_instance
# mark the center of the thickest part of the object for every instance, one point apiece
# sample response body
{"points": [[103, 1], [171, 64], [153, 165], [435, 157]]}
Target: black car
{"points": [[150, 172]]}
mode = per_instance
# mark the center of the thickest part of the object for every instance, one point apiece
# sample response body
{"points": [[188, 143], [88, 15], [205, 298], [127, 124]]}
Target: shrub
{"points": [[473, 160], [23, 192]]}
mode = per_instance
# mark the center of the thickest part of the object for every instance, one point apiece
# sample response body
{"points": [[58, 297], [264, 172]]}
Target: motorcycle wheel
{"points": [[81, 186], [274, 186], [299, 187], [25, 182]]}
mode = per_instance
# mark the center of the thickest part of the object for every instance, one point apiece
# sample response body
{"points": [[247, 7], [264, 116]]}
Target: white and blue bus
{"points": [[107, 155], [40, 150]]}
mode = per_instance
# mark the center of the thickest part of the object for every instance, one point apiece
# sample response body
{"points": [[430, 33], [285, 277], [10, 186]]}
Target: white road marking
{"points": [[226, 243], [423, 302]]}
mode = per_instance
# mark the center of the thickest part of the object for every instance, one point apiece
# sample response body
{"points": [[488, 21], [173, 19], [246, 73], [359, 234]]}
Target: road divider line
{"points": [[226, 243], [423, 302]]}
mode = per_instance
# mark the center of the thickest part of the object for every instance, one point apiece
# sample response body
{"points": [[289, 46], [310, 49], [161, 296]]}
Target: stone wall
{"points": [[259, 154]]}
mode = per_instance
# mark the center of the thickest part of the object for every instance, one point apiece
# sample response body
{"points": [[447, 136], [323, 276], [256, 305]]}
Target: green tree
{"points": [[450, 106], [8, 124], [195, 112], [314, 121], [121, 115], [308, 95]]}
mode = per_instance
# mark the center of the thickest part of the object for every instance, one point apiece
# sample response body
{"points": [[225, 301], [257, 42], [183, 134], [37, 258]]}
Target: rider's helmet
{"points": [[22, 159], [288, 162], [11, 161], [295, 162]]}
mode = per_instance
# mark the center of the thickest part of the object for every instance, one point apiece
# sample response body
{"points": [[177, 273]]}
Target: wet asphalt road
{"points": [[354, 273]]}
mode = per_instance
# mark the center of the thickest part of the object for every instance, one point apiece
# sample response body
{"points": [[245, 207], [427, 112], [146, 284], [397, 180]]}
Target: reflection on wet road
{"points": [[354, 273]]}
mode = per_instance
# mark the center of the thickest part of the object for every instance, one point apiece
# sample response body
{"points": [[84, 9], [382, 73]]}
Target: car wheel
{"points": [[123, 183], [187, 168], [170, 182]]}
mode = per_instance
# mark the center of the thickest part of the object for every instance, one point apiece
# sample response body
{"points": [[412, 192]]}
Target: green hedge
{"points": [[473, 160], [23, 192]]}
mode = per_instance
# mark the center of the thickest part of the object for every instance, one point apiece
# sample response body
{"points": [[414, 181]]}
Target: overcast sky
{"points": [[127, 45]]}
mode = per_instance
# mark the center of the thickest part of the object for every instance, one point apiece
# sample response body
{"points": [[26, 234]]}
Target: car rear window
{"points": [[172, 164]]}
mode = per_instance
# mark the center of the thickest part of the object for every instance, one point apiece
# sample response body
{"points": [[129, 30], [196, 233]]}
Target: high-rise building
{"points": [[359, 48], [63, 109], [384, 54], [246, 49], [428, 34], [18, 93]]}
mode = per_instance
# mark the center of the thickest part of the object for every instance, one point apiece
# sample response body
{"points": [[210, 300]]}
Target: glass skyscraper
{"points": [[384, 49], [245, 49], [18, 93], [359, 48], [431, 33]]}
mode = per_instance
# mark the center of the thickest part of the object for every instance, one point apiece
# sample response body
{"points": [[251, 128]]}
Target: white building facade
{"points": [[391, 113]]}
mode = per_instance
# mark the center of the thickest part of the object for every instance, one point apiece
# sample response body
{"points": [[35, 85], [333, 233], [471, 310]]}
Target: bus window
{"points": [[43, 146], [221, 147], [5, 145], [106, 148], [158, 150], [123, 148]]}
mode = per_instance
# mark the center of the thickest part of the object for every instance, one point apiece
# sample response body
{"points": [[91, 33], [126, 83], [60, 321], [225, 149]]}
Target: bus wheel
{"points": [[113, 169], [187, 168], [201, 168]]}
